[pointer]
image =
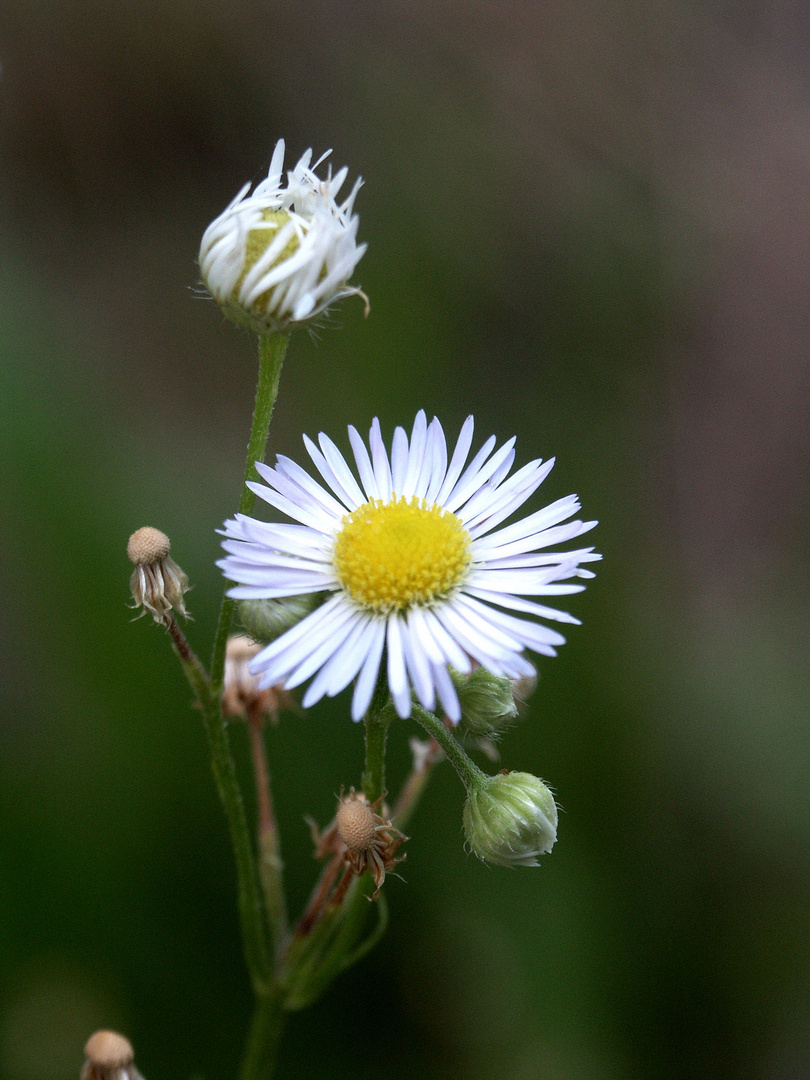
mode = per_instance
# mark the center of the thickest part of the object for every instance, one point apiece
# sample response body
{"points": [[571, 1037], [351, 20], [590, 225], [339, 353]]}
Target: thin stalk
{"points": [[272, 350], [411, 791], [376, 722], [471, 776], [264, 1036], [270, 864], [254, 939]]}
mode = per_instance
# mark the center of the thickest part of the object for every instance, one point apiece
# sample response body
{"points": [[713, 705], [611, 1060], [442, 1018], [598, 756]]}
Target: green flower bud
{"points": [[487, 703], [510, 819], [265, 620]]}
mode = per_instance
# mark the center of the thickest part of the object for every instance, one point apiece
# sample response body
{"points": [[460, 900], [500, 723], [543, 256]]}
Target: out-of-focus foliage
{"points": [[588, 226]]}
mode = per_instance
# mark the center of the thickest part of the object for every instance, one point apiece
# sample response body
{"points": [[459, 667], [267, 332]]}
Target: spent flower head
{"points": [[109, 1056], [157, 583], [411, 561], [364, 835], [510, 819], [241, 693], [284, 253]]}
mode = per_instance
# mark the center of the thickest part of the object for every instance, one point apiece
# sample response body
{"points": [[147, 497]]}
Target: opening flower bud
{"points": [[510, 819], [285, 253]]}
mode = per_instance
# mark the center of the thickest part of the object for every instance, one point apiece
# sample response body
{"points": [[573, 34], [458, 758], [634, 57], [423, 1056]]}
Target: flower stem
{"points": [[471, 776], [270, 864], [266, 1028], [271, 356], [254, 937], [411, 791], [272, 350]]}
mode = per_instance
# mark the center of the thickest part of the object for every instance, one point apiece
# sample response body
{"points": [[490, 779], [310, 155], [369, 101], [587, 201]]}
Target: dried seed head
{"points": [[241, 695], [157, 583], [356, 825], [147, 545], [108, 1049], [109, 1056]]}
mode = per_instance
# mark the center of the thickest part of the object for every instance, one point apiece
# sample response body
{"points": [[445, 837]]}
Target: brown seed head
{"points": [[147, 545], [108, 1049], [356, 824]]}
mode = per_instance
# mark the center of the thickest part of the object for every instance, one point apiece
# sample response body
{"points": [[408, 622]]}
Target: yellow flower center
{"points": [[259, 240], [392, 555]]}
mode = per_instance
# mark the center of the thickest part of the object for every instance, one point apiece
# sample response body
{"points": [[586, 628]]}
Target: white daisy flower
{"points": [[284, 253], [412, 563]]}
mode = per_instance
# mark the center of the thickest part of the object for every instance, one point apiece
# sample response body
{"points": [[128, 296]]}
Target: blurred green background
{"points": [[588, 225]]}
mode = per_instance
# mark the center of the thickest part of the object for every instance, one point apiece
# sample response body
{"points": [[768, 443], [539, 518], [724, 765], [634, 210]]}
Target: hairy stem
{"points": [[469, 773], [270, 864], [272, 350]]}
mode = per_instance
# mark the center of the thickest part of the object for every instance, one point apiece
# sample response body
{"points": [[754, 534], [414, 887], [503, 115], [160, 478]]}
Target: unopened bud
{"points": [[487, 703], [510, 819], [241, 695], [157, 583], [267, 619], [109, 1056]]}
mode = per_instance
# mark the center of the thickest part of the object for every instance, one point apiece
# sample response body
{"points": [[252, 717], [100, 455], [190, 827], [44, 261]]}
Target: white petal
{"points": [[399, 461], [382, 470], [435, 470], [419, 667], [416, 454], [447, 694], [474, 479], [515, 603], [457, 461], [342, 472], [363, 464], [343, 665], [535, 523], [367, 679], [398, 685], [450, 650]]}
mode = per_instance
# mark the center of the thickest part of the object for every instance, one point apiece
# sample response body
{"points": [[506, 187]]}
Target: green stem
{"points": [[471, 776], [254, 938], [271, 867], [272, 350], [271, 356], [266, 1027]]}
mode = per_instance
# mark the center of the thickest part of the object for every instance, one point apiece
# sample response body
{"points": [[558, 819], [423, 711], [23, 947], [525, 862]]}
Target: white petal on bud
{"points": [[284, 253]]}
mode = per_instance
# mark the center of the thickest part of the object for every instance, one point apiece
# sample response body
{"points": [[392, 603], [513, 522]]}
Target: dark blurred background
{"points": [[588, 225]]}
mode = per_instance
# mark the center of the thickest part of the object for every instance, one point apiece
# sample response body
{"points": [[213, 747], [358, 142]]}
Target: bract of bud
{"points": [[241, 695], [487, 702], [283, 254], [522, 690], [157, 583], [267, 619], [510, 819], [109, 1056]]}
